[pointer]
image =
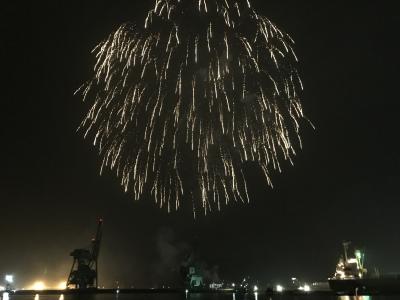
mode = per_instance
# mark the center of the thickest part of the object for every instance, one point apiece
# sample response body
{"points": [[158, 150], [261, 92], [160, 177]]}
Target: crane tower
{"points": [[84, 271]]}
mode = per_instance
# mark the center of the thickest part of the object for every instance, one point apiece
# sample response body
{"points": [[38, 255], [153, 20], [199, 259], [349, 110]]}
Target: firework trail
{"points": [[179, 105]]}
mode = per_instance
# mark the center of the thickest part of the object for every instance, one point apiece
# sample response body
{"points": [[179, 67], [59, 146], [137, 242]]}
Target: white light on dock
{"points": [[9, 278], [38, 286], [306, 288], [62, 285], [279, 288]]}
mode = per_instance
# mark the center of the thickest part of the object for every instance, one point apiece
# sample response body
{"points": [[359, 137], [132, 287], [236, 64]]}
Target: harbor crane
{"points": [[84, 270]]}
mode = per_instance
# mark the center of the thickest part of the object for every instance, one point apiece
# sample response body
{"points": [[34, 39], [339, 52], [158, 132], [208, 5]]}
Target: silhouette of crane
{"points": [[84, 271]]}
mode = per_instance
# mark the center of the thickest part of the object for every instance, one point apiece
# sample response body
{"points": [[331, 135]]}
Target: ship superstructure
{"points": [[350, 266], [351, 276]]}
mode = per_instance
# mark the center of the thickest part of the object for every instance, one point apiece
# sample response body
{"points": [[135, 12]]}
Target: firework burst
{"points": [[179, 105]]}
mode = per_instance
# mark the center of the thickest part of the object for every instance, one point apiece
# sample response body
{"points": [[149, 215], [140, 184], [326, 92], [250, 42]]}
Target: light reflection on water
{"points": [[5, 296], [355, 298], [188, 296]]}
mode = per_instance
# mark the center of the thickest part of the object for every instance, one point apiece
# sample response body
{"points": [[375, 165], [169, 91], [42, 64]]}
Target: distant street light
{"points": [[9, 278]]}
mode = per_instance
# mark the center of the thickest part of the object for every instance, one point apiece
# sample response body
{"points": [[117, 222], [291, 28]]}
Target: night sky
{"points": [[344, 185]]}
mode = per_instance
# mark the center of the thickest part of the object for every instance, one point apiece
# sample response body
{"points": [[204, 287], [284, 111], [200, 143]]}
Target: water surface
{"points": [[193, 297]]}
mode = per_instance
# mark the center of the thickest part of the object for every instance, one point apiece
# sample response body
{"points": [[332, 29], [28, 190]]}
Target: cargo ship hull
{"points": [[366, 285]]}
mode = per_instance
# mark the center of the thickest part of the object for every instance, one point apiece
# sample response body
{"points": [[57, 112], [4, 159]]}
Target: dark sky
{"points": [[344, 185]]}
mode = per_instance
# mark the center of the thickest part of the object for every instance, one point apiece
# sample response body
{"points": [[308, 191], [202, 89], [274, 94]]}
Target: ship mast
{"points": [[346, 247]]}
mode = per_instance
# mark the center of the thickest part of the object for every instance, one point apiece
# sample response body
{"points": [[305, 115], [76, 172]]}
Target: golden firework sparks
{"points": [[203, 87]]}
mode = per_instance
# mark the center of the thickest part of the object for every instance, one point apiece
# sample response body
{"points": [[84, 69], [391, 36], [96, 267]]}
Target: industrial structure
{"points": [[351, 276], [193, 278], [350, 267], [192, 273], [84, 270]]}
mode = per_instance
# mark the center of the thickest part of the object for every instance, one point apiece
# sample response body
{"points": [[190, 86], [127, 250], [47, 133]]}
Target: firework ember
{"points": [[180, 104]]}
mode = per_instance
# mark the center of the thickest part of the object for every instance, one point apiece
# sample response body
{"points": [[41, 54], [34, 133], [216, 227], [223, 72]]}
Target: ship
{"points": [[351, 276]]}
